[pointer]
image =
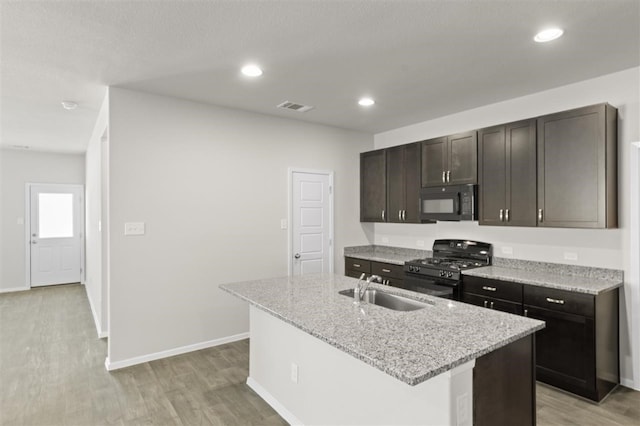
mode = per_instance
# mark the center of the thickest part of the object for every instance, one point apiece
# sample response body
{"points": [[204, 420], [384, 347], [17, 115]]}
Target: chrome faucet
{"points": [[360, 290]]}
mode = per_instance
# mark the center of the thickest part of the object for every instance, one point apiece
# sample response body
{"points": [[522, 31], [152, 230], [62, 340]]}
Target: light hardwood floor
{"points": [[52, 373]]}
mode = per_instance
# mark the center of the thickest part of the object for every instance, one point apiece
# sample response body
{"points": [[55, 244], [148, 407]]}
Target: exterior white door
{"points": [[312, 222], [55, 234]]}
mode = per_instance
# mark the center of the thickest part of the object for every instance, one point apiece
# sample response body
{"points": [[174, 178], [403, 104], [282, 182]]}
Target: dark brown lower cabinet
{"points": [[504, 390], [578, 349], [390, 273]]}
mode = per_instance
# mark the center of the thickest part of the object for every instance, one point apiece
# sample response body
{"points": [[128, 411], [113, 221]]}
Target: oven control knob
{"points": [[450, 274], [416, 269], [443, 273]]}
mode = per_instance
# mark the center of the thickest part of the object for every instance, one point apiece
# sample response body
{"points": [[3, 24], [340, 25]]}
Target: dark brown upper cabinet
{"points": [[403, 183], [450, 160], [577, 168], [373, 186], [507, 174]]}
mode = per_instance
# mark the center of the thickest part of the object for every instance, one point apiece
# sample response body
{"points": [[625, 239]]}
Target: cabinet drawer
{"points": [[560, 300], [490, 303], [492, 288], [353, 264], [388, 270]]}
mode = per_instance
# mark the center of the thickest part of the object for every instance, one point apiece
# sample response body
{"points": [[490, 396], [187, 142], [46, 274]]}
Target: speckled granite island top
{"points": [[576, 283], [410, 346]]}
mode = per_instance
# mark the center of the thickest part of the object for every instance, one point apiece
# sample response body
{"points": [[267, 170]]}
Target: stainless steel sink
{"points": [[387, 300]]}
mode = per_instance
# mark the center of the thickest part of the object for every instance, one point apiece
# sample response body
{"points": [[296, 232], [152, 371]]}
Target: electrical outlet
{"points": [[463, 409], [294, 372], [134, 228], [283, 223], [420, 243], [385, 239], [569, 255], [507, 250]]}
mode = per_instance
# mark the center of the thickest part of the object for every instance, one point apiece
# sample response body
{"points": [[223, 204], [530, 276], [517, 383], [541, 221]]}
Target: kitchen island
{"points": [[318, 358]]}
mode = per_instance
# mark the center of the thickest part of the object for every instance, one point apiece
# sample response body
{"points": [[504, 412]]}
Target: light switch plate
{"points": [[507, 250], [569, 255], [134, 228], [283, 223], [420, 243], [385, 240]]}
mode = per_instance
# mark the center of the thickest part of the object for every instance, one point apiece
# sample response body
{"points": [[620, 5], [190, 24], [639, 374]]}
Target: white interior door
{"points": [[312, 222], [56, 234]]}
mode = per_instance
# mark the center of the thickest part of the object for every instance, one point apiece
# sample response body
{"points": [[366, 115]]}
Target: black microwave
{"points": [[455, 202]]}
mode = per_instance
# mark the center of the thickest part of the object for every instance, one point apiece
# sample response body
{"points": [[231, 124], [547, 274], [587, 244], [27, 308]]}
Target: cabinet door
{"points": [[395, 183], [492, 173], [521, 173], [576, 183], [412, 182], [434, 162], [373, 197], [490, 303], [463, 158], [565, 350]]}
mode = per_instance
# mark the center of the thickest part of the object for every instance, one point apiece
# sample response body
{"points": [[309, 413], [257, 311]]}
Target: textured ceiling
{"points": [[418, 59]]}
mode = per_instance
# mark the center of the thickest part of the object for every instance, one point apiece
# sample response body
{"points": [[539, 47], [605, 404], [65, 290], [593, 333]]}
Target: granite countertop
{"points": [[410, 346], [581, 279], [386, 254], [575, 283]]}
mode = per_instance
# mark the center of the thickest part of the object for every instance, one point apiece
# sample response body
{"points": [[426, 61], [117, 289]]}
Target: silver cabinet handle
{"points": [[400, 215], [448, 175], [444, 177], [526, 312], [485, 303], [539, 215], [491, 307], [297, 256], [404, 215], [557, 301], [506, 215], [386, 270], [501, 215], [383, 215], [34, 242], [356, 265], [484, 287]]}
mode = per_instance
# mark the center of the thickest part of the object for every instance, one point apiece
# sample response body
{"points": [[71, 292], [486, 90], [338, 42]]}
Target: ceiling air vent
{"points": [[294, 106]]}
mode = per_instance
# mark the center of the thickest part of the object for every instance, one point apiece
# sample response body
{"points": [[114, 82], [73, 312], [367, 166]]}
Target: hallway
{"points": [[52, 373]]}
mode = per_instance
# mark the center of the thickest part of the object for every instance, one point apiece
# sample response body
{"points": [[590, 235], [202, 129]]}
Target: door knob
{"points": [[297, 256], [34, 242]]}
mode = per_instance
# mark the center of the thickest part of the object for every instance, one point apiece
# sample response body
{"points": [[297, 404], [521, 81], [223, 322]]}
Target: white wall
{"points": [[603, 248], [95, 223], [16, 169], [211, 185]]}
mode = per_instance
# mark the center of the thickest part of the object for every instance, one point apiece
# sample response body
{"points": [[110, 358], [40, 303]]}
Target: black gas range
{"points": [[441, 275]]}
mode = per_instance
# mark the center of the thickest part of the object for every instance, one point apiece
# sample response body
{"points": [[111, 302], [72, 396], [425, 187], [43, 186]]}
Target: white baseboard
{"points": [[14, 289], [273, 402], [172, 352], [628, 383], [101, 333]]}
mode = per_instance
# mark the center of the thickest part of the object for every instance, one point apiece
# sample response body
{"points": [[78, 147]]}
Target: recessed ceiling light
{"points": [[69, 105], [251, 71], [366, 102], [548, 35]]}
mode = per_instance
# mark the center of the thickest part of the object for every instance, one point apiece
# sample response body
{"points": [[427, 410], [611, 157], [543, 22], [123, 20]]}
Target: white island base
{"points": [[308, 381]]}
